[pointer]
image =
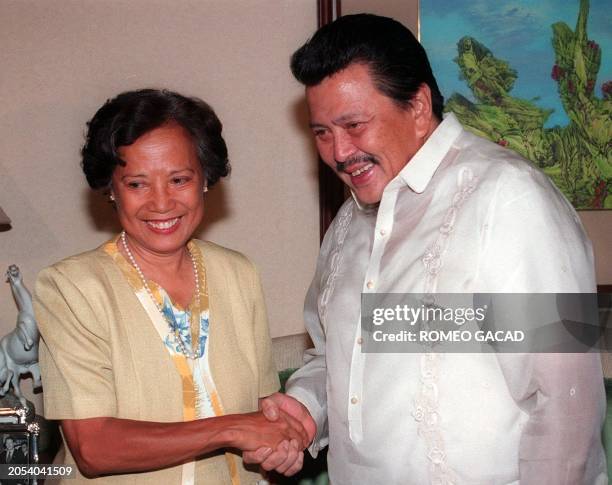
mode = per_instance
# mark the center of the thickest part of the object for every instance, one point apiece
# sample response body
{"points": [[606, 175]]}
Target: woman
{"points": [[154, 342]]}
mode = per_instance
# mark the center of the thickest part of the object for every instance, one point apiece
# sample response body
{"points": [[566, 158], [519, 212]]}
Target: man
{"points": [[12, 454], [434, 209]]}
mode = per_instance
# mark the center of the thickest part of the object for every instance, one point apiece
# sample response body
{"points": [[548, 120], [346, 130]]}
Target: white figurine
{"points": [[19, 348]]}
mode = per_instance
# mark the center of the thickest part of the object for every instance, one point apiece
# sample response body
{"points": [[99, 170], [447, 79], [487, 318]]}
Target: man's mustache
{"points": [[343, 166]]}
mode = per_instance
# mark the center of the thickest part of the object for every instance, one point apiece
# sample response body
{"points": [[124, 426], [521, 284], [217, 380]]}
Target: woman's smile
{"points": [[158, 192]]}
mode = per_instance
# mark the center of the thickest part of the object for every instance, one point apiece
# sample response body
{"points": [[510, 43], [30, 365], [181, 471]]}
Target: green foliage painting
{"points": [[576, 153]]}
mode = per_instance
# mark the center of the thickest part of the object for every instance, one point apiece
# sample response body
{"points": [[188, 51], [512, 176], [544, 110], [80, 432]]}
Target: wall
{"points": [[598, 225], [401, 10], [62, 59]]}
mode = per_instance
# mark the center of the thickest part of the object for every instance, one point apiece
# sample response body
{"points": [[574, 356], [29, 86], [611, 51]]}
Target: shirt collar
{"points": [[421, 167]]}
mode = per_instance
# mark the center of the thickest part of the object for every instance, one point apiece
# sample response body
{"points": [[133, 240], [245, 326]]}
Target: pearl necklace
{"points": [[193, 355]]}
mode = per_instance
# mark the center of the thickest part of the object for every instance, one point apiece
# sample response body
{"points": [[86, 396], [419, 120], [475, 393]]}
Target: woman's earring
{"points": [[111, 197], [205, 189]]}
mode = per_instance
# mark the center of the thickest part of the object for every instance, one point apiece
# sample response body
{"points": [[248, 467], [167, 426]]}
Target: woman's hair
{"points": [[397, 62], [125, 118]]}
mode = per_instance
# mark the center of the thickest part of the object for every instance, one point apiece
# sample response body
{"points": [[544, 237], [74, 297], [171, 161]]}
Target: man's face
{"points": [[362, 134]]}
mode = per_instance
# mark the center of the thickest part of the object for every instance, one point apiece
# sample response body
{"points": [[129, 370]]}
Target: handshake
{"points": [[277, 435]]}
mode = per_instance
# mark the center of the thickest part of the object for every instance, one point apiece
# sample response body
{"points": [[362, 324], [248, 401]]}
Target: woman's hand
{"points": [[252, 431], [108, 445]]}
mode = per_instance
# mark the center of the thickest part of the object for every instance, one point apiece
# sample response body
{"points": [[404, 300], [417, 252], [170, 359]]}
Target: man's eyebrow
{"points": [[347, 117], [343, 119], [313, 125]]}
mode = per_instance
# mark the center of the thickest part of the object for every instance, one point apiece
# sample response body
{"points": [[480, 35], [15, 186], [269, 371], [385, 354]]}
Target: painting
{"points": [[535, 77]]}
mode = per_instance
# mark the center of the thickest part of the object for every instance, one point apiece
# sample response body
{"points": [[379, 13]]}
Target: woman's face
{"points": [[158, 193]]}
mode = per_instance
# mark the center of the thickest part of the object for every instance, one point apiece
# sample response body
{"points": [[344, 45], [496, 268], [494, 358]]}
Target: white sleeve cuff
{"points": [[318, 413]]}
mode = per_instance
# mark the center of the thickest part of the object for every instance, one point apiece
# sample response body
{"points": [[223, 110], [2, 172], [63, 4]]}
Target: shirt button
{"points": [[382, 232], [572, 392], [359, 341], [354, 400], [370, 285]]}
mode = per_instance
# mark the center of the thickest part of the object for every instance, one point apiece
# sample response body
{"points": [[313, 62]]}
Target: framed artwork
{"points": [[18, 445], [532, 76], [15, 448]]}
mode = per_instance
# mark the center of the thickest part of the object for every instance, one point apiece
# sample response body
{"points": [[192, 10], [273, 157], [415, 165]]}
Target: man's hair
{"points": [[396, 60], [125, 118]]}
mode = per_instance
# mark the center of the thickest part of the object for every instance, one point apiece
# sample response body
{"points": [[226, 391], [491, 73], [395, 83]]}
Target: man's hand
{"points": [[287, 458], [276, 402]]}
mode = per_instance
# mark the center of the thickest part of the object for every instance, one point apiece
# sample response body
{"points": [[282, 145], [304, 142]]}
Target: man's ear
{"points": [[422, 111]]}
